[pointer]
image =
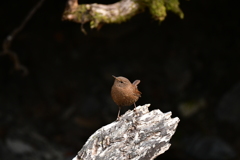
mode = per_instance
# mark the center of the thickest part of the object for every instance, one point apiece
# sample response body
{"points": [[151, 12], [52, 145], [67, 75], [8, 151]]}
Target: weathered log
{"points": [[138, 135]]}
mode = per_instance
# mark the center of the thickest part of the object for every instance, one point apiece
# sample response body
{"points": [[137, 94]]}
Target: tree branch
{"points": [[118, 12], [139, 134], [8, 41]]}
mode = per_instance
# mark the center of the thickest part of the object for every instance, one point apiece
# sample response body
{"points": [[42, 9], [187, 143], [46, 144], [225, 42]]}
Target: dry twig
{"points": [[8, 41]]}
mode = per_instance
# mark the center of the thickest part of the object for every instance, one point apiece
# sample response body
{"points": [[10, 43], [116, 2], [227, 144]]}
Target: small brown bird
{"points": [[125, 93]]}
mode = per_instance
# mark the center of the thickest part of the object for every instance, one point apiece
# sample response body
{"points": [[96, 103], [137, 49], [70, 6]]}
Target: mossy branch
{"points": [[118, 12]]}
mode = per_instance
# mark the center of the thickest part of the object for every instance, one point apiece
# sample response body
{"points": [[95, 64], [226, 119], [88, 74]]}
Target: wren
{"points": [[125, 93]]}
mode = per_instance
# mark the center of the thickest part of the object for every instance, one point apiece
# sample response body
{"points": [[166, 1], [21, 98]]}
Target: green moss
{"points": [[158, 9], [173, 5]]}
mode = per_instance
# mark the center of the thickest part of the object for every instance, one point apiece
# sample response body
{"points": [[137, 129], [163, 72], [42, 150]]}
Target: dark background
{"points": [[190, 67]]}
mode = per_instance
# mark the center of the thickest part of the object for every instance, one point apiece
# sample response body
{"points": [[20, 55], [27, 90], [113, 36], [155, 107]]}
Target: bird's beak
{"points": [[114, 76]]}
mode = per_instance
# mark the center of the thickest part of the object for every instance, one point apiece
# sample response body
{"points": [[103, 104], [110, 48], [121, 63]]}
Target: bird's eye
{"points": [[121, 81]]}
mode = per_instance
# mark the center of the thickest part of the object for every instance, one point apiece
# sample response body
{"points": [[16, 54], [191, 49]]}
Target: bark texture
{"points": [[118, 12], [138, 135]]}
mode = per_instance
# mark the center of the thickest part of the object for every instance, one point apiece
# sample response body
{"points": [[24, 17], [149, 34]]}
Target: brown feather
{"points": [[136, 82], [125, 93]]}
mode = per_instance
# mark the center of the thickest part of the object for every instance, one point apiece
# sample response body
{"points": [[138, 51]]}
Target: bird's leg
{"points": [[118, 117], [134, 106]]}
